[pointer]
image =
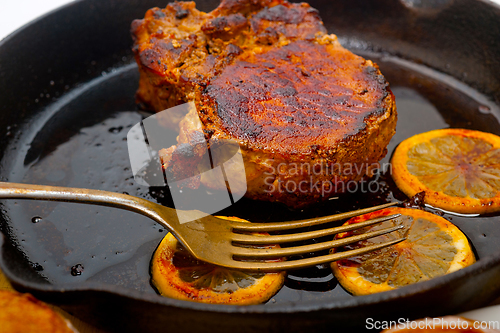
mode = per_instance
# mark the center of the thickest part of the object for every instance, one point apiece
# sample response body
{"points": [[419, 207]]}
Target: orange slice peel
{"points": [[176, 274], [433, 247], [458, 169]]}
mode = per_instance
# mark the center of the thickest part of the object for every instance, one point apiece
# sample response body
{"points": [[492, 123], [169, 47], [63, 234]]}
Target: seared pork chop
{"points": [[309, 116]]}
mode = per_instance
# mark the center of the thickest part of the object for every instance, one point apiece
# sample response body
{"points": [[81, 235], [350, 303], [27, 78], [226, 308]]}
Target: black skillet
{"points": [[67, 83]]}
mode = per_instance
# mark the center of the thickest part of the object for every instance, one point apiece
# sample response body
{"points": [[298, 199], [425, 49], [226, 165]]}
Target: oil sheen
{"points": [[80, 141]]}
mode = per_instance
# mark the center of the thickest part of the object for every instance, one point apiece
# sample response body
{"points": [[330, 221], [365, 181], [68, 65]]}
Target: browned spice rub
{"points": [[267, 75]]}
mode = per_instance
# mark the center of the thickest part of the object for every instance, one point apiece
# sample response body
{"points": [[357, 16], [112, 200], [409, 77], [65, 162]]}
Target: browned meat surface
{"points": [[23, 313], [267, 75], [179, 48]]}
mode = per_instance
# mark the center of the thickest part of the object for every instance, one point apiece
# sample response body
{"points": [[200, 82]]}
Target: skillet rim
{"points": [[304, 306]]}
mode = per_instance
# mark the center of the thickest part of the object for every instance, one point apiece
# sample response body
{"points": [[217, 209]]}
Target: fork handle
{"points": [[96, 197]]}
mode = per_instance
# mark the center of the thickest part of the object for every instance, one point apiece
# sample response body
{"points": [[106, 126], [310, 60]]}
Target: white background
{"points": [[16, 13]]}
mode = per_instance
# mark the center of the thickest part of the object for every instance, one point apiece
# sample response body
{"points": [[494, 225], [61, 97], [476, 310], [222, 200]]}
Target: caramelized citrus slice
{"points": [[458, 169], [433, 247], [175, 273]]}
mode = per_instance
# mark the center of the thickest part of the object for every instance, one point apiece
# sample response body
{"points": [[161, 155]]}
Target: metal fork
{"points": [[221, 242]]}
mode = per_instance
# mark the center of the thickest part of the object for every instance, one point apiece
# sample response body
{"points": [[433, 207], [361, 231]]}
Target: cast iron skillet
{"points": [[454, 42]]}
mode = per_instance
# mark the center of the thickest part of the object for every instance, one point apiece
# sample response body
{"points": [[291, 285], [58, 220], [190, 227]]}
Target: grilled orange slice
{"points": [[458, 169], [176, 274], [433, 247]]}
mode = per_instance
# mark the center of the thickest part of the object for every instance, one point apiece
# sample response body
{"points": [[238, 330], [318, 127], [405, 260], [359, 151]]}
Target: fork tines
{"points": [[248, 249]]}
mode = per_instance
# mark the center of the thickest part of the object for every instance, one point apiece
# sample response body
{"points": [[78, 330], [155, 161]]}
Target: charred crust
{"points": [[134, 28], [225, 25], [315, 148], [288, 99], [261, 73], [281, 13], [158, 13], [313, 11], [294, 21], [269, 36], [185, 150], [233, 50], [172, 52], [284, 100], [180, 12], [243, 6], [208, 132]]}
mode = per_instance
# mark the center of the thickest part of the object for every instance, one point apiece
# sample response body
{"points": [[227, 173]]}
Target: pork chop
{"points": [[309, 116]]}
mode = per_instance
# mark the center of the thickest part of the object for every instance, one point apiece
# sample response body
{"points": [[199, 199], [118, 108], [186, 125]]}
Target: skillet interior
{"points": [[456, 39]]}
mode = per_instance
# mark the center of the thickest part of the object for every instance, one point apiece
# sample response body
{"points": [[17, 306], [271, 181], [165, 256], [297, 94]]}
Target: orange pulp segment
{"points": [[176, 274], [458, 169]]}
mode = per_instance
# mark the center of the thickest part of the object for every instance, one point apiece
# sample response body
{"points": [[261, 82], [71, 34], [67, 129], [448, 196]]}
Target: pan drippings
{"points": [[80, 141]]}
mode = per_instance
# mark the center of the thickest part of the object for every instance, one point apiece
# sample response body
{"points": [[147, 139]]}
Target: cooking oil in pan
{"points": [[80, 141]]}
